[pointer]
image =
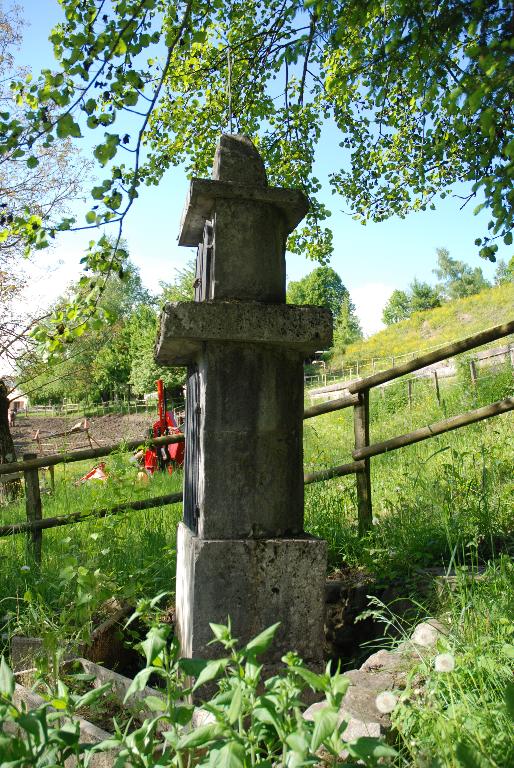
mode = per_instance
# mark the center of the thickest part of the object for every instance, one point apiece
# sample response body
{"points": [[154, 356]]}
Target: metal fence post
{"points": [[33, 506], [363, 477]]}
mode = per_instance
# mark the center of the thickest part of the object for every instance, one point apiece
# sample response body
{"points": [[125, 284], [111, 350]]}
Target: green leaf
{"points": [[155, 703], [235, 705], [181, 715], [469, 757], [192, 667], [316, 682], [261, 642], [7, 682], [91, 696], [211, 671], [325, 725], [200, 736], [509, 698], [138, 683], [66, 126], [507, 239], [155, 642], [32, 162], [231, 755], [366, 748], [91, 217], [265, 712]]}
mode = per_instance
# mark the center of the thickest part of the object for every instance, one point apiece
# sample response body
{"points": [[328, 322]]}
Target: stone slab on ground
{"points": [[89, 733]]}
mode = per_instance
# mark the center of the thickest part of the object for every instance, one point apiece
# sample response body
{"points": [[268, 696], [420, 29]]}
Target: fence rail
{"points": [[356, 369], [358, 398], [364, 451]]}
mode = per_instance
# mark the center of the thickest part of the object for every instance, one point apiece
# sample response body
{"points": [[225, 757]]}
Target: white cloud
{"points": [[370, 300]]}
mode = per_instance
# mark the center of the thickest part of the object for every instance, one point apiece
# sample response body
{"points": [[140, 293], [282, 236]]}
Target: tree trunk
{"points": [[12, 489]]}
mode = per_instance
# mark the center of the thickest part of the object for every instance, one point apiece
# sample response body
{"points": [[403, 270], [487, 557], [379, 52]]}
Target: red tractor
{"points": [[164, 457]]}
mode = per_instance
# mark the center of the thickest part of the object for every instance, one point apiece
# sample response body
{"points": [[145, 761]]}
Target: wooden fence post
{"points": [[363, 478], [473, 370], [33, 506], [436, 385]]}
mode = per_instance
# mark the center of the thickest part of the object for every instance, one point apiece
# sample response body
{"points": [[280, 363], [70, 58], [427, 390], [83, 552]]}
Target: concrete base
{"points": [[256, 582]]}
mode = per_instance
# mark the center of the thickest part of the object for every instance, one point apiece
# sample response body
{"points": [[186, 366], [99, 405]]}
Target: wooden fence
{"points": [[484, 358], [357, 397]]}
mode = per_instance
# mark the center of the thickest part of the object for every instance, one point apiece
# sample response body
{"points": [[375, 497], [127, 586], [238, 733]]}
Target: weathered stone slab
{"points": [[255, 582], [204, 195], [185, 326], [89, 733], [252, 499]]}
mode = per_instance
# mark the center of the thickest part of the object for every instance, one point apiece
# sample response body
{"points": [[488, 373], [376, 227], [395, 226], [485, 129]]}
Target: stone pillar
{"points": [[242, 551]]}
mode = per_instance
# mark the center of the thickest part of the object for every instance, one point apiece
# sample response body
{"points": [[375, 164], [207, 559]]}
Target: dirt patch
{"points": [[111, 428]]}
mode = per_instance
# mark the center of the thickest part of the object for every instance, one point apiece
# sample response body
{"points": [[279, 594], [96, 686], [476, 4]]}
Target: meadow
{"points": [[427, 330], [446, 502]]}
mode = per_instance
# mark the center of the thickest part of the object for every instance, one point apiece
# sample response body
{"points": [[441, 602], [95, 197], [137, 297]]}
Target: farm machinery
{"points": [[164, 457]]}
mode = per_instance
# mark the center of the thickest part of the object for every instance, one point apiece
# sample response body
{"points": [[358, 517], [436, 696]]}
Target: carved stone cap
{"points": [[238, 174], [203, 193], [186, 326], [238, 160]]}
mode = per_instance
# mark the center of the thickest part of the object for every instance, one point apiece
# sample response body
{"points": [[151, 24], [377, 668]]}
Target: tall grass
{"points": [[431, 328], [449, 493], [452, 491], [464, 717]]}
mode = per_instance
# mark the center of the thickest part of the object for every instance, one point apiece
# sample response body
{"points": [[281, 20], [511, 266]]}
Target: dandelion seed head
{"points": [[385, 702], [25, 568], [444, 662]]}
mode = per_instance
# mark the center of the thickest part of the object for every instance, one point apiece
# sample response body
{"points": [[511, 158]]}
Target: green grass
{"points": [[445, 501], [450, 491], [433, 328], [134, 552], [465, 717]]}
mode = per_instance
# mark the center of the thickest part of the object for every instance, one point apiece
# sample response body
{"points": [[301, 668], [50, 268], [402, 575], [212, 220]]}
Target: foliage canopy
{"points": [[420, 92]]}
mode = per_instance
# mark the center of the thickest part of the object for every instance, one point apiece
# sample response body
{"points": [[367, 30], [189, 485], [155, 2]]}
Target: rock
{"points": [[387, 661], [371, 680], [427, 633], [359, 703]]}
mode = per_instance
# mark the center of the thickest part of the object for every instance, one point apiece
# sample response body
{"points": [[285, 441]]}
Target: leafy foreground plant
{"points": [[252, 722]]}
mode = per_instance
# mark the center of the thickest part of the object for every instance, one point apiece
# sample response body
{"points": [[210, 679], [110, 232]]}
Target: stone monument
{"points": [[241, 550]]}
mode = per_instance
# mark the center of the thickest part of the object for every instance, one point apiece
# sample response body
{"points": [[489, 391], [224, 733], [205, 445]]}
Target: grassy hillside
{"points": [[430, 329]]}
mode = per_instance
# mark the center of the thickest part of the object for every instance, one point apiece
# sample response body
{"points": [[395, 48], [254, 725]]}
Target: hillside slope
{"points": [[435, 327]]}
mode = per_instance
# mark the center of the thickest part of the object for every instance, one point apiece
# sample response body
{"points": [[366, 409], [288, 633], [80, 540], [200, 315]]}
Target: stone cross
{"points": [[241, 550]]}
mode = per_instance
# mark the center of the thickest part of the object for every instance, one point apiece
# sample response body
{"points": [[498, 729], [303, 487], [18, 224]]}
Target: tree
{"points": [[421, 94], [144, 370], [322, 287], [182, 287], [397, 308], [347, 327], [458, 279], [97, 363], [419, 297], [504, 272], [39, 190], [423, 296]]}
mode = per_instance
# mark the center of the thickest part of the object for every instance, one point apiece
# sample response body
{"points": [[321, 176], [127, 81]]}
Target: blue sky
{"points": [[372, 260]]}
